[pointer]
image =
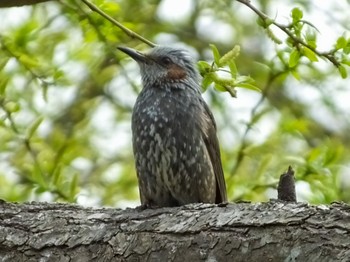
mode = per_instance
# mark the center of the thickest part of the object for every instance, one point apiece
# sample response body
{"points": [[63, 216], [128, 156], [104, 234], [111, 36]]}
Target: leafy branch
{"points": [[222, 83], [254, 116], [305, 47], [28, 63], [38, 176], [126, 30], [10, 107]]}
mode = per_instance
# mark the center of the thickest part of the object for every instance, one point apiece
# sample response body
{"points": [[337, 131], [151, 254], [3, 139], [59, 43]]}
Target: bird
{"points": [[174, 134]]}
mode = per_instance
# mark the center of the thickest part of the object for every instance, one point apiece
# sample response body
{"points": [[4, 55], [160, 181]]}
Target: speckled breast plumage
{"points": [[172, 162]]}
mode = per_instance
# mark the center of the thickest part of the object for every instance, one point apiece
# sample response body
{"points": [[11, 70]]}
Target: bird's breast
{"points": [[172, 109], [165, 123]]}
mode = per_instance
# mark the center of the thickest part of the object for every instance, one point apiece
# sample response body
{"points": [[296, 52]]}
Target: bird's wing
{"points": [[212, 145]]}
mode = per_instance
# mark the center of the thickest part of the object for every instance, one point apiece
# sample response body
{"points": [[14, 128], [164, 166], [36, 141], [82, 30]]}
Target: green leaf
{"points": [[3, 62], [311, 38], [341, 43], [249, 86], [281, 56], [265, 23], [216, 54], [345, 62], [56, 176], [296, 14], [33, 127], [310, 54], [272, 36], [268, 22], [28, 61], [244, 79], [332, 154], [3, 84], [294, 58], [40, 189], [261, 22], [295, 74], [12, 107], [231, 55], [58, 74], [342, 71], [346, 49], [38, 178], [220, 88], [233, 68], [228, 89], [110, 7], [73, 189], [204, 67], [312, 43], [207, 80]]}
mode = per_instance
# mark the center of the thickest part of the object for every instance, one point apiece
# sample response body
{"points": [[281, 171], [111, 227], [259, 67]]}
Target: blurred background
{"points": [[66, 97]]}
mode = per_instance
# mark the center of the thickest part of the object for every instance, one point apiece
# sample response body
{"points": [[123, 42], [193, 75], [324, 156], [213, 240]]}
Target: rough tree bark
{"points": [[273, 231]]}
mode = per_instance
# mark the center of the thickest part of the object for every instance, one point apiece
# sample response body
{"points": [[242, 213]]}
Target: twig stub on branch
{"points": [[286, 186]]}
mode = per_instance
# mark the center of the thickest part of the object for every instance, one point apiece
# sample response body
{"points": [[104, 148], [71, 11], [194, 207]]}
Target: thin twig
{"points": [[41, 79], [26, 141], [129, 32]]}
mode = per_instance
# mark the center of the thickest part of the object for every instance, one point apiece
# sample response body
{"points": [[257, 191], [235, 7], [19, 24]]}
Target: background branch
{"points": [[296, 40], [15, 3], [126, 30]]}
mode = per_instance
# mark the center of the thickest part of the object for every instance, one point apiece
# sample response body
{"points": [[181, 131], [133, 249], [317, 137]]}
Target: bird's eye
{"points": [[166, 60]]}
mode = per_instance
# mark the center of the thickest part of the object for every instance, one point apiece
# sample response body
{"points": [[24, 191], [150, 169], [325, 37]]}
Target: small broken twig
{"points": [[286, 186]]}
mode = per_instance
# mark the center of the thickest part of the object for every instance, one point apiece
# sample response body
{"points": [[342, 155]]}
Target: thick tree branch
{"points": [[272, 231], [14, 3]]}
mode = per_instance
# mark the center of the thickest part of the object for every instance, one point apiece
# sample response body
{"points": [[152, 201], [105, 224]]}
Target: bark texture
{"points": [[273, 231]]}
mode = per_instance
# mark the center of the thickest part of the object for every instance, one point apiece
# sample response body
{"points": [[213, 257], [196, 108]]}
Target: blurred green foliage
{"points": [[66, 97]]}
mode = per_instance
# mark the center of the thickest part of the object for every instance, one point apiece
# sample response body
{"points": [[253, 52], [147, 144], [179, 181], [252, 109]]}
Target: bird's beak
{"points": [[134, 54]]}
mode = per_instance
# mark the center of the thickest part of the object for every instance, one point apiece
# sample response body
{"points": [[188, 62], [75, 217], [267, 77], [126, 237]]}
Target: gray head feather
{"points": [[166, 67]]}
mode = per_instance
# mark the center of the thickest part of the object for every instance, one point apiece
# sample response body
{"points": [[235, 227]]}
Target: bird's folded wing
{"points": [[212, 145]]}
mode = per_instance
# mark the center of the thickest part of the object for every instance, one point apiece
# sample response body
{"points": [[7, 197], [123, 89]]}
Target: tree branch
{"points": [[16, 3], [126, 30], [296, 40], [272, 231], [130, 33]]}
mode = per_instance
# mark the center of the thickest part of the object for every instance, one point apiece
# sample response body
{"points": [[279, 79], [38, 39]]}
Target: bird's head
{"points": [[166, 67]]}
